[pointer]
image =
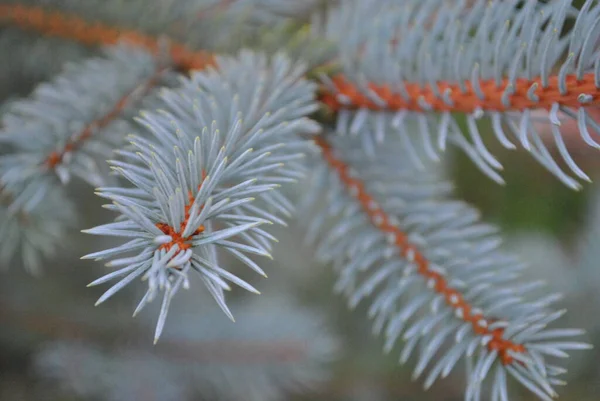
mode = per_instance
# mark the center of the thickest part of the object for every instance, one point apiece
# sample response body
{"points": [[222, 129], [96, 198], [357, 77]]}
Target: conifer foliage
{"points": [[191, 123]]}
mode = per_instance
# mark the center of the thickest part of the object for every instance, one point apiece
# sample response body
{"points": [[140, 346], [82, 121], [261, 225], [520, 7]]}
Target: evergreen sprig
{"points": [[202, 170], [438, 278], [70, 126], [429, 61], [225, 136]]}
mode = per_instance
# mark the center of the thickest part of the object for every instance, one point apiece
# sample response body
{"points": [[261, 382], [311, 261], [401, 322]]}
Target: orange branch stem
{"points": [[182, 243], [72, 27], [465, 101], [435, 280], [56, 157]]}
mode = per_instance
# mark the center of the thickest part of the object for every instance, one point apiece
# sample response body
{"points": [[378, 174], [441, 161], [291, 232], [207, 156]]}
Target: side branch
{"points": [[435, 281], [56, 157], [469, 97], [72, 27]]}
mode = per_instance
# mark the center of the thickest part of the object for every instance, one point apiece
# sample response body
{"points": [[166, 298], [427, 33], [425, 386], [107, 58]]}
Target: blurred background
{"points": [[297, 341]]}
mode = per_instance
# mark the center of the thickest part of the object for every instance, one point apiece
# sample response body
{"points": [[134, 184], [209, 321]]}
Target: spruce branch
{"points": [[204, 167], [180, 25], [438, 278], [500, 60], [388, 89], [57, 157], [70, 125], [225, 136], [72, 27]]}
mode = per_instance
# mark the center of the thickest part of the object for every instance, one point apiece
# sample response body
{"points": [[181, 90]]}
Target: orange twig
{"points": [[453, 298], [75, 28], [72, 27], [56, 157], [467, 101], [181, 242]]}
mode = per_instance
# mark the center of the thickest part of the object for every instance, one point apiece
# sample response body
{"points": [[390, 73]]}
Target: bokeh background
{"points": [[298, 340]]}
